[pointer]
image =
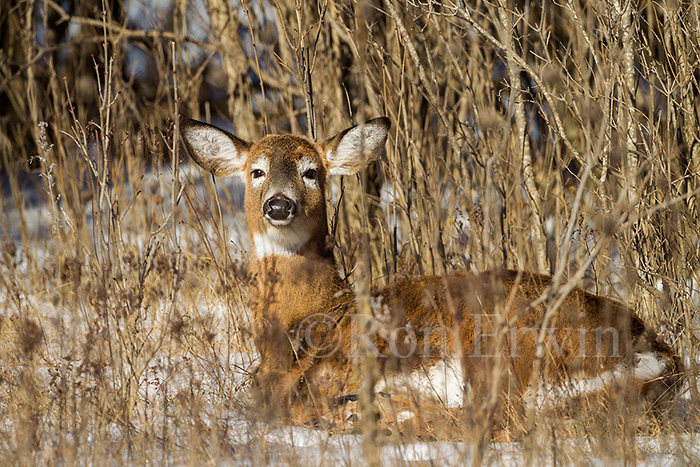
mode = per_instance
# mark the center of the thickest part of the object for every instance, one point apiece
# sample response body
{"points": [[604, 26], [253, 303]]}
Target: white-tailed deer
{"points": [[435, 339]]}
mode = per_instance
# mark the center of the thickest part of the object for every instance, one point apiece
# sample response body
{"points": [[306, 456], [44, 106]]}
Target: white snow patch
{"points": [[405, 415]]}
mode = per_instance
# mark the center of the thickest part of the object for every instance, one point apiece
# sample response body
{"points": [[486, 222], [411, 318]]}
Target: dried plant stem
{"points": [[518, 106]]}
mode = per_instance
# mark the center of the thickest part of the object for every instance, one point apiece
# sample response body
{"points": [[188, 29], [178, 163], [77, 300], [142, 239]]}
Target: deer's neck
{"points": [[286, 288]]}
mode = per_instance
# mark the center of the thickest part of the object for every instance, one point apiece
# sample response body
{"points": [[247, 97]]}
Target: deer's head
{"points": [[285, 177]]}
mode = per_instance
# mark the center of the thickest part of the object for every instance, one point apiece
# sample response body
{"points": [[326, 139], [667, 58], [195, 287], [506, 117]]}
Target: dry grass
{"points": [[559, 137]]}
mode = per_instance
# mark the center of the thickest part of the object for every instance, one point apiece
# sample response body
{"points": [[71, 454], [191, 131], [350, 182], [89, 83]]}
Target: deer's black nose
{"points": [[279, 208]]}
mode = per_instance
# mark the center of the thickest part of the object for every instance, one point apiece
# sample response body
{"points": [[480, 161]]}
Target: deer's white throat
{"points": [[279, 241]]}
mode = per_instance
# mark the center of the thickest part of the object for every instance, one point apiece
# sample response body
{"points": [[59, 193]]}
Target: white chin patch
{"points": [[279, 223], [279, 241]]}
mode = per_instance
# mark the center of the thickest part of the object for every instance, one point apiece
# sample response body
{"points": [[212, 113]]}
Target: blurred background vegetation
{"points": [[559, 137]]}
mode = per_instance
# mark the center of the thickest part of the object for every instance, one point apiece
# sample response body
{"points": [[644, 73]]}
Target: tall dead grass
{"points": [[551, 137]]}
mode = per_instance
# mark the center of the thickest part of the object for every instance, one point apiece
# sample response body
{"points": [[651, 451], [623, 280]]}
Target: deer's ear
{"points": [[215, 150], [351, 150]]}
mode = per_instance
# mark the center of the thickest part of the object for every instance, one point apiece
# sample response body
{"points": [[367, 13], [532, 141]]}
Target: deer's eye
{"points": [[310, 174], [257, 173]]}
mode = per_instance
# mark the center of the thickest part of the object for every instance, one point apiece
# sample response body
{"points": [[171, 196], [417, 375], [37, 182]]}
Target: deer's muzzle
{"points": [[279, 208]]}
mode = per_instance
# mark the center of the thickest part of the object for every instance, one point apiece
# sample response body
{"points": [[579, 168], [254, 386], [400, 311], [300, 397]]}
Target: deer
{"points": [[435, 339]]}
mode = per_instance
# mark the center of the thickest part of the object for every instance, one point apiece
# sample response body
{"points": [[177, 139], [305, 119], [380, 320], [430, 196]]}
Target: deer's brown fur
{"points": [[595, 343]]}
